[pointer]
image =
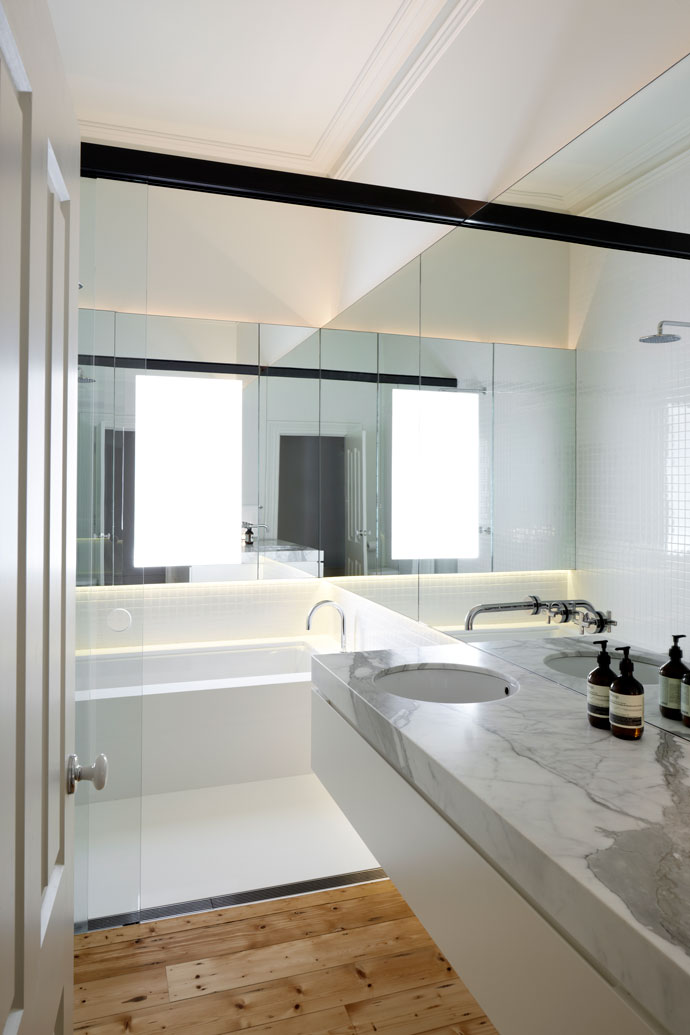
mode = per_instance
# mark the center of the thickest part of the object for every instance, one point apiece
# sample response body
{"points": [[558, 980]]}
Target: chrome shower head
{"points": [[662, 339]]}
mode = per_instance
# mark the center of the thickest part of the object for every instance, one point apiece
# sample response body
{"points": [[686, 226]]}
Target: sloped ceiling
{"points": [[460, 97], [452, 96]]}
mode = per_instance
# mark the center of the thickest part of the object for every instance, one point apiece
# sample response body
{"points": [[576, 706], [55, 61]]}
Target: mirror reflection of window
{"points": [[435, 474], [188, 471]]}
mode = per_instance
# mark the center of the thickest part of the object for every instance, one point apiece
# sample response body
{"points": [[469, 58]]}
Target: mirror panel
{"points": [[288, 541], [615, 168], [318, 484]]}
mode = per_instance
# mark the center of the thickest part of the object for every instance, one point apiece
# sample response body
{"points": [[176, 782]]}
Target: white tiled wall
{"points": [[444, 600], [203, 612], [633, 491], [534, 458], [195, 612]]}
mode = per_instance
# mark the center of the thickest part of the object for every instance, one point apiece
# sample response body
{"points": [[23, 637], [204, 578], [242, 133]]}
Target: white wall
{"points": [[474, 285], [533, 458], [633, 486], [185, 253]]}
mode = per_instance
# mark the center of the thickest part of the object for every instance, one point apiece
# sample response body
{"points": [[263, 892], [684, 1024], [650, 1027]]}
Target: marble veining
{"points": [[594, 831], [660, 893], [531, 654]]}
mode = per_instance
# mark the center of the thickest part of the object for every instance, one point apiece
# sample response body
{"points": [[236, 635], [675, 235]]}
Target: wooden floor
{"points": [[345, 962]]}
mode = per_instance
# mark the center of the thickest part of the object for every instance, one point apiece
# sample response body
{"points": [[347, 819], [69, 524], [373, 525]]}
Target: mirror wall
{"points": [[333, 482]]}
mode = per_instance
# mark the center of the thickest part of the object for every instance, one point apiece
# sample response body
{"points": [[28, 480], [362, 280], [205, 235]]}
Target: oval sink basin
{"points": [[580, 665], [445, 684]]}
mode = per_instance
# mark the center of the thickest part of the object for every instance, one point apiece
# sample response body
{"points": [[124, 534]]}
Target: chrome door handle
{"points": [[362, 532], [97, 773]]}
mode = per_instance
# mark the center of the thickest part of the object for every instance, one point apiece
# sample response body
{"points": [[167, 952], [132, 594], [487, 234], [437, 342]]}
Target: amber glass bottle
{"points": [[685, 698], [598, 682], [670, 676], [626, 702]]}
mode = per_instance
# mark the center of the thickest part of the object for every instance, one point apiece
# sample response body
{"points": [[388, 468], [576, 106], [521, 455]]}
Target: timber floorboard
{"points": [[350, 961]]}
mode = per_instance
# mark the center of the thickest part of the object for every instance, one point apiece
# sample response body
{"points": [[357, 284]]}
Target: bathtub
{"points": [[181, 717], [172, 668]]}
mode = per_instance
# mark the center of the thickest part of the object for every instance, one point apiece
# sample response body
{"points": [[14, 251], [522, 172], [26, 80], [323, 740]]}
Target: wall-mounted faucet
{"points": [[581, 612], [331, 603]]}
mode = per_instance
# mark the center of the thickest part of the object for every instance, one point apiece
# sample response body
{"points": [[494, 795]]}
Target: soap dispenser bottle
{"points": [[685, 698], [598, 682], [670, 676], [626, 701]]}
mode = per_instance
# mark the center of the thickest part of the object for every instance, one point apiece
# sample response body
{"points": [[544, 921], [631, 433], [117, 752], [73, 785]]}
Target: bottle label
{"points": [[684, 699], [597, 700], [626, 709], [669, 692]]}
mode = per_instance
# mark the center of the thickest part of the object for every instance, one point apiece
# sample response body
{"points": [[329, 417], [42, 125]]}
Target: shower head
{"points": [[662, 339], [83, 380]]}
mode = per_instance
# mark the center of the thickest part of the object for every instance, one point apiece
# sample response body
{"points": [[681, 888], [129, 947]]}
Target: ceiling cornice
{"points": [[657, 174], [413, 42], [634, 166], [453, 20], [198, 147]]}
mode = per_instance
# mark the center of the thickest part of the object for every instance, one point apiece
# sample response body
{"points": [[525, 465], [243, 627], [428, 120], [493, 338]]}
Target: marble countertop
{"points": [[533, 654], [287, 551], [592, 830]]}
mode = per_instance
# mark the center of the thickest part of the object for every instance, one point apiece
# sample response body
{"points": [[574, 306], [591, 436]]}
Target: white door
{"points": [[356, 532], [39, 156]]}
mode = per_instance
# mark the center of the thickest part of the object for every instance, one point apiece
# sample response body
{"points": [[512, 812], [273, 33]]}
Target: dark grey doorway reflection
{"points": [[311, 483]]}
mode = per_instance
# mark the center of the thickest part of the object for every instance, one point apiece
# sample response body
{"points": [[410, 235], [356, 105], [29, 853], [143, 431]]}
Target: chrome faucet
{"points": [[332, 603], [581, 612]]}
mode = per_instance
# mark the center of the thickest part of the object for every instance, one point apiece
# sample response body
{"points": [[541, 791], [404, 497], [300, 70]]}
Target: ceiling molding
{"points": [[635, 165], [399, 49], [628, 190], [397, 46], [198, 147], [426, 55]]}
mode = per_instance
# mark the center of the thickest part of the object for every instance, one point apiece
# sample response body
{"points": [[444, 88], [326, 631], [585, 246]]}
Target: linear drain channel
{"points": [[239, 898]]}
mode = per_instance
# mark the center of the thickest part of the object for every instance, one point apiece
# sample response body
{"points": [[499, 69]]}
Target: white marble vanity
{"points": [[550, 860]]}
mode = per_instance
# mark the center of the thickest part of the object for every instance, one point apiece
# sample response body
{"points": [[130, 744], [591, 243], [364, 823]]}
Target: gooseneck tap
{"points": [[330, 603]]}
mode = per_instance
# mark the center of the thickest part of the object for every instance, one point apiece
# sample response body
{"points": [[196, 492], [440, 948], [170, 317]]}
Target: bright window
{"points": [[435, 475], [188, 471]]}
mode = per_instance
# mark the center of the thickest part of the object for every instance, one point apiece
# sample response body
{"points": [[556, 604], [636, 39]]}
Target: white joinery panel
{"points": [[39, 156], [53, 673], [509, 956], [11, 152]]}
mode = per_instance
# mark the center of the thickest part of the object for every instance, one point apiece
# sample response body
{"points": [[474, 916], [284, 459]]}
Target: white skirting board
{"points": [[524, 974]]}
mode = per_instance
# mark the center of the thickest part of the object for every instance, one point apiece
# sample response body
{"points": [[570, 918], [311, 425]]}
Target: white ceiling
{"points": [[267, 82], [454, 96]]}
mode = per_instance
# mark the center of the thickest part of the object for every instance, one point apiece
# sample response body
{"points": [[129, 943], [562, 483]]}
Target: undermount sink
{"points": [[445, 684], [580, 665]]}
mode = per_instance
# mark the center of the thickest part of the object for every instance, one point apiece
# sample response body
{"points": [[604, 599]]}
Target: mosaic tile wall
{"points": [[633, 491]]}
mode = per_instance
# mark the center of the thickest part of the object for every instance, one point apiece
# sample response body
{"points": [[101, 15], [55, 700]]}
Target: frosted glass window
{"points": [[188, 471], [434, 475]]}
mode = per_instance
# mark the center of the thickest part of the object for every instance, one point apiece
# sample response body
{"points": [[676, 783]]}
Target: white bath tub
{"points": [[197, 715], [171, 669]]}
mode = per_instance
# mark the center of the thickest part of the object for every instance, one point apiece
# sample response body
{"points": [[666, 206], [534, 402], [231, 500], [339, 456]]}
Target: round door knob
{"points": [[96, 773]]}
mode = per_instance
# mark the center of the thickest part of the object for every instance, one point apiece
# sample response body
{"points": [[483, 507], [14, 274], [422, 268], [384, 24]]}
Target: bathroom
{"points": [[577, 451]]}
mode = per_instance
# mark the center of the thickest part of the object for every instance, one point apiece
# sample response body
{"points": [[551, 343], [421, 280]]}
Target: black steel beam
{"points": [[200, 174], [244, 181], [193, 366]]}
